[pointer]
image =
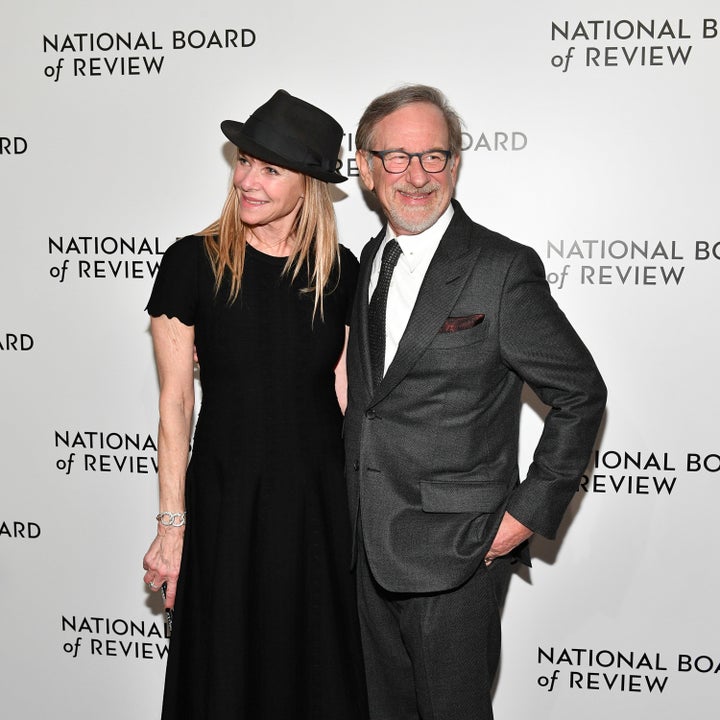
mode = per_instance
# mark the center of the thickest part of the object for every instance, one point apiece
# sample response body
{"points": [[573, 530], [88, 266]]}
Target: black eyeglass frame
{"points": [[419, 155]]}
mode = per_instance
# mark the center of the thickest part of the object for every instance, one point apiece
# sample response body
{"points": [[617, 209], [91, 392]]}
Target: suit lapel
{"points": [[445, 279]]}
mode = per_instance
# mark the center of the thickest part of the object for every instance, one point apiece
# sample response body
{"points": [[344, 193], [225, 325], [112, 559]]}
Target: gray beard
{"points": [[404, 226]]}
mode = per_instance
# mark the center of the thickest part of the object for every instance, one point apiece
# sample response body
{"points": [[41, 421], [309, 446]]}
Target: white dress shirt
{"points": [[417, 252]]}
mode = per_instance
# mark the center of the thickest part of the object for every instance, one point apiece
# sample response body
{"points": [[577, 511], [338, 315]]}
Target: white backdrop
{"points": [[590, 135]]}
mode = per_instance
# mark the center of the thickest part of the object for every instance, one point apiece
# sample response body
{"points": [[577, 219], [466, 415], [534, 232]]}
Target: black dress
{"points": [[265, 622]]}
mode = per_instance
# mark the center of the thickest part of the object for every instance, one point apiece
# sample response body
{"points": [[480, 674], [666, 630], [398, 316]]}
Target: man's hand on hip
{"points": [[509, 535]]}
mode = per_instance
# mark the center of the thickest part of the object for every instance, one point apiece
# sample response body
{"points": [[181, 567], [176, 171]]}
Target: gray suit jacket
{"points": [[432, 452]]}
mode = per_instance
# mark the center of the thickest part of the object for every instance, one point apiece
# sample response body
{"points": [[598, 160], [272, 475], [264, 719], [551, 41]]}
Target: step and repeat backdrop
{"points": [[591, 134]]}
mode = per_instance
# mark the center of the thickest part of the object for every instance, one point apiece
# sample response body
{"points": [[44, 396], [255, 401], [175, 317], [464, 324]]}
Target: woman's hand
{"points": [[162, 562]]}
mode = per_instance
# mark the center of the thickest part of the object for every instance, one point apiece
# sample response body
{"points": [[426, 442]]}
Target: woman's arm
{"points": [[341, 375], [174, 350]]}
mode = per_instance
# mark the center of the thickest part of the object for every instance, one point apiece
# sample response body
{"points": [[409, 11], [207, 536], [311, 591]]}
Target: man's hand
{"points": [[509, 535]]}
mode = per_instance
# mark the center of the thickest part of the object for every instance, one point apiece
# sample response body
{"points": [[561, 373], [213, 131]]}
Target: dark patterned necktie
{"points": [[377, 308]]}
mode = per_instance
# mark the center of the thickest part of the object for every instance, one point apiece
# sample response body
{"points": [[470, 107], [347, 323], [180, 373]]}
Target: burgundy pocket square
{"points": [[453, 324]]}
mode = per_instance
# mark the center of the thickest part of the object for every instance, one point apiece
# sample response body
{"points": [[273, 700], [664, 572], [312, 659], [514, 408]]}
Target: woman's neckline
{"points": [[264, 255]]}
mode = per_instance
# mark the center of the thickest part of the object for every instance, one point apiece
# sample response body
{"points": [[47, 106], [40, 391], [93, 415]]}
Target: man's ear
{"points": [[364, 167], [455, 168]]}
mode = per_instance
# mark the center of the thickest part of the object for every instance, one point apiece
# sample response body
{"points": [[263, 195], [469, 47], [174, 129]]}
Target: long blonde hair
{"points": [[315, 248]]}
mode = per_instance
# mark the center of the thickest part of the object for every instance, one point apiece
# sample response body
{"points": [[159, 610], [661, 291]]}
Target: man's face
{"points": [[415, 199]]}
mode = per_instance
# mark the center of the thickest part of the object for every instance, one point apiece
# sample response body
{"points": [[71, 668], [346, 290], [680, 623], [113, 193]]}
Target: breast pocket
{"points": [[460, 338]]}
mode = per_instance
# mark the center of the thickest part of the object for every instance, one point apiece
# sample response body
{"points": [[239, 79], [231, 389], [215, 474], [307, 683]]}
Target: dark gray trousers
{"points": [[432, 656]]}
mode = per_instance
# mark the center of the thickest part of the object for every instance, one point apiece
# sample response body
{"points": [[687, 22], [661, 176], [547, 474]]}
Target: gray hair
{"points": [[388, 103]]}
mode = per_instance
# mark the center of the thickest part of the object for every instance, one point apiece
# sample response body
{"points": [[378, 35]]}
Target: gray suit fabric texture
{"points": [[432, 656], [432, 451]]}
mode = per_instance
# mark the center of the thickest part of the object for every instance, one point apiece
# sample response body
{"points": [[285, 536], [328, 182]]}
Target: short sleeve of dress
{"points": [[175, 292], [348, 279]]}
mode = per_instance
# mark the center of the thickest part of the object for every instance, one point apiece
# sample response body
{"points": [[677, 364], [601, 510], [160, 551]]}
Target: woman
{"points": [[265, 624]]}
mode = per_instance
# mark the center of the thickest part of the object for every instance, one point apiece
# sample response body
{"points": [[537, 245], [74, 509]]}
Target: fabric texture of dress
{"points": [[265, 623]]}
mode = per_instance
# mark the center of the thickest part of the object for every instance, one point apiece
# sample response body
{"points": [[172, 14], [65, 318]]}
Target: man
{"points": [[435, 373]]}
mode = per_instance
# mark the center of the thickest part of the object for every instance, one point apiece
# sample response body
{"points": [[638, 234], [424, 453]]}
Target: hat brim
{"points": [[233, 131]]}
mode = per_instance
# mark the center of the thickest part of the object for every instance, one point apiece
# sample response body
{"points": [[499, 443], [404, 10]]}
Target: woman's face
{"points": [[267, 194]]}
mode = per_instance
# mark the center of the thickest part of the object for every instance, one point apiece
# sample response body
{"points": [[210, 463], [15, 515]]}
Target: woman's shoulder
{"points": [[176, 286], [349, 267], [186, 246], [347, 257], [186, 253]]}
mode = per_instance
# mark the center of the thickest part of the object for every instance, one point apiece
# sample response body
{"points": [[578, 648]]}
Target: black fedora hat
{"points": [[291, 133]]}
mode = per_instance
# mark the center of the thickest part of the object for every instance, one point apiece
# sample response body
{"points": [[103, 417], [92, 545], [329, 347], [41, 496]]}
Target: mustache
{"points": [[408, 189]]}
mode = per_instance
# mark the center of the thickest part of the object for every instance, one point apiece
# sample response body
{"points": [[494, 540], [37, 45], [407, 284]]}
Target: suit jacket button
{"points": [[370, 415], [356, 465]]}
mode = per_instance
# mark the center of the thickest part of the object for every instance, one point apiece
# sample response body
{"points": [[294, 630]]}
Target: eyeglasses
{"points": [[396, 161]]}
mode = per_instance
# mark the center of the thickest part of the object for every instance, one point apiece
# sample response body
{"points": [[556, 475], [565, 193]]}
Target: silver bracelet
{"points": [[171, 519]]}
